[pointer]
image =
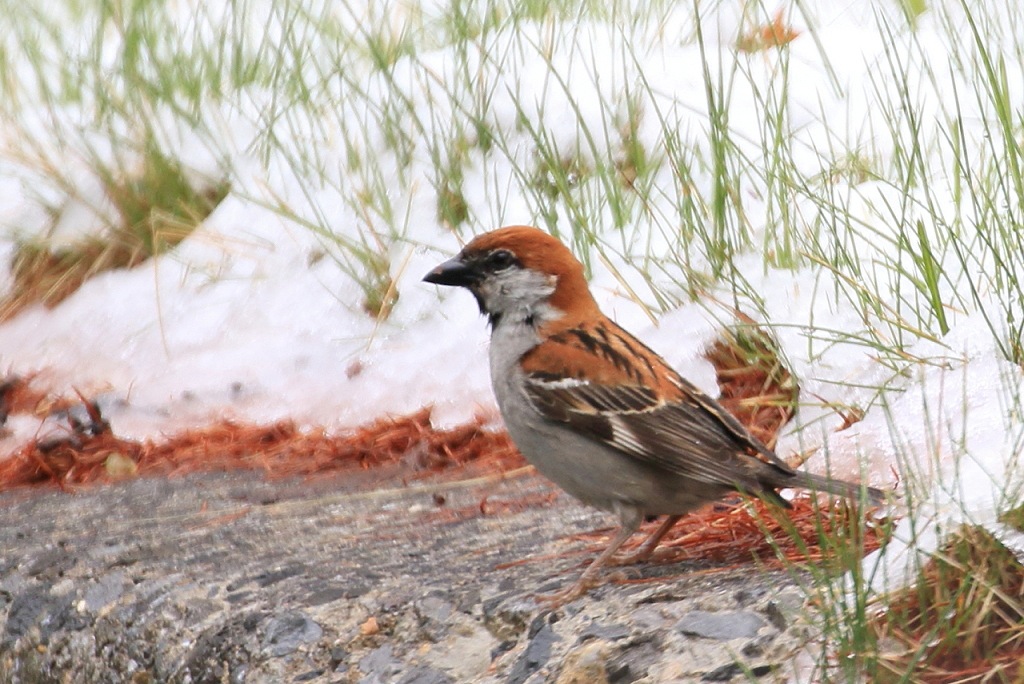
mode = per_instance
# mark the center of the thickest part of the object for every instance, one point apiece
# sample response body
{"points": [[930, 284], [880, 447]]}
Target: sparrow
{"points": [[595, 410]]}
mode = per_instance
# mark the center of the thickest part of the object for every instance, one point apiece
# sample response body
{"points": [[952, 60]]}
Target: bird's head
{"points": [[519, 272]]}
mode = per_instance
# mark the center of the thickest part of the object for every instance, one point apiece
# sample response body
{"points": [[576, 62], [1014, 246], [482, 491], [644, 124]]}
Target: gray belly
{"points": [[603, 477]]}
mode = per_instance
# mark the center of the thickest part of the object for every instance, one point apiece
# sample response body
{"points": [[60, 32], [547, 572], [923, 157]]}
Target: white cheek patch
{"points": [[528, 286], [518, 295]]}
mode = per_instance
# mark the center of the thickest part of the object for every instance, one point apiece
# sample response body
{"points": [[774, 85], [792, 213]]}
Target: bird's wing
{"points": [[689, 434]]}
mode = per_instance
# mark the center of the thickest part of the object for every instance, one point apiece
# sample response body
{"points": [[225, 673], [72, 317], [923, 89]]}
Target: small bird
{"points": [[595, 410]]}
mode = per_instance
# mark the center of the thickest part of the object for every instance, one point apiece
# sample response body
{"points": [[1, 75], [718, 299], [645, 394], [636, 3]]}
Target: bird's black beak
{"points": [[454, 272]]}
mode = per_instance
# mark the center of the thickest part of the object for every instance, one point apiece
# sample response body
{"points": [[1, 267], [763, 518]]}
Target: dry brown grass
{"points": [[754, 384], [157, 208], [741, 532], [963, 621]]}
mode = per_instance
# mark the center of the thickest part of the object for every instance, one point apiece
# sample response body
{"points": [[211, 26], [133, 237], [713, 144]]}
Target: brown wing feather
{"points": [[610, 387], [728, 422], [682, 437]]}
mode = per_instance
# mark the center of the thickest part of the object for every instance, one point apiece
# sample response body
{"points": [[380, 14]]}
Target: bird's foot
{"points": [[558, 599], [641, 555]]}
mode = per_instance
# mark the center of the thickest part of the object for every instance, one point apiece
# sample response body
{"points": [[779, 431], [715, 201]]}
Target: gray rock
{"points": [[191, 582], [285, 633], [105, 591], [634, 660], [380, 665], [434, 609], [731, 671], [52, 563], [425, 675], [226, 647], [784, 608], [537, 652], [611, 632], [40, 610], [722, 626], [508, 614], [435, 615]]}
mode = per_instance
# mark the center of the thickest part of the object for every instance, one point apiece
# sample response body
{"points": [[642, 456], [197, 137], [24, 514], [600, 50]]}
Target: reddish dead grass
{"points": [[752, 384], [729, 536], [18, 394], [774, 34], [92, 453]]}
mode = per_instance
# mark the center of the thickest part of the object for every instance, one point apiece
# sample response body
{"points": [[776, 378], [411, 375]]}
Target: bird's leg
{"points": [[644, 551], [630, 524]]}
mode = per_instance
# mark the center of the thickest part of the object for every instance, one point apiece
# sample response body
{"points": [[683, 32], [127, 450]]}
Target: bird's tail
{"points": [[849, 490]]}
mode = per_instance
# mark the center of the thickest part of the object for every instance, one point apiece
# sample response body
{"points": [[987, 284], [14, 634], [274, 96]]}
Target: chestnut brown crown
{"points": [[519, 268]]}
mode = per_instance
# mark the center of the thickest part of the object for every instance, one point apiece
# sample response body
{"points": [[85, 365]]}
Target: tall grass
{"points": [[562, 108]]}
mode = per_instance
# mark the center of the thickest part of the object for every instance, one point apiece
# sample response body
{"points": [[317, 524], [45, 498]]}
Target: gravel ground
{"points": [[228, 578]]}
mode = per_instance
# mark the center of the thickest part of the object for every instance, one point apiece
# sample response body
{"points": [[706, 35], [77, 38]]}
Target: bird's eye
{"points": [[500, 260]]}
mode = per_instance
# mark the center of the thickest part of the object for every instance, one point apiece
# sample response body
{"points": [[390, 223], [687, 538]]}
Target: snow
{"points": [[256, 316]]}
